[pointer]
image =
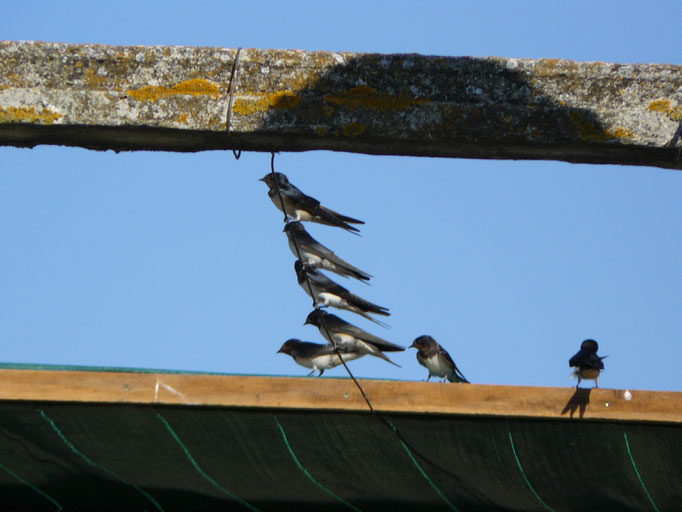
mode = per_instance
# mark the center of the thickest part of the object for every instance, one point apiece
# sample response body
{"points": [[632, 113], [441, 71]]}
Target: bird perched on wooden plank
{"points": [[316, 356], [436, 359], [588, 365]]}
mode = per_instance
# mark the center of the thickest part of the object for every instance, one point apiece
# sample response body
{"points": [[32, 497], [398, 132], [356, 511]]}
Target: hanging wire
{"points": [[234, 76], [410, 449], [310, 288]]}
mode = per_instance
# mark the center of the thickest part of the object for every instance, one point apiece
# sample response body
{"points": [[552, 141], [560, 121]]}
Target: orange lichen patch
{"points": [[23, 115], [363, 96], [195, 87], [182, 118], [353, 129], [262, 102]]}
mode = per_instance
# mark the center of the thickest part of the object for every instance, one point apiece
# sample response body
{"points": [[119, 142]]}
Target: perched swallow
{"points": [[588, 365], [316, 356], [328, 293], [348, 336], [436, 359], [315, 255], [299, 206]]}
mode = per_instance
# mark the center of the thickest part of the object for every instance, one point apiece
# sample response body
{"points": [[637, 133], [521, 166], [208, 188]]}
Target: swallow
{"points": [[436, 359], [342, 334], [588, 365], [299, 206], [328, 293], [316, 356], [315, 255]]}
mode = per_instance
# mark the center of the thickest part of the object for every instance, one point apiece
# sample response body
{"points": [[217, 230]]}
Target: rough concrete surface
{"points": [[176, 99]]}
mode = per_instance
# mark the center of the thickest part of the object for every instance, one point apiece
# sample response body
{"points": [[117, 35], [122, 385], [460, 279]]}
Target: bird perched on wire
{"points": [[326, 292], [316, 356], [436, 359], [315, 255], [339, 332], [586, 363], [298, 206]]}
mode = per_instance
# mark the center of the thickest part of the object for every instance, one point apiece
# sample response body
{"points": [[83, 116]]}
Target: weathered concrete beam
{"points": [[176, 99]]}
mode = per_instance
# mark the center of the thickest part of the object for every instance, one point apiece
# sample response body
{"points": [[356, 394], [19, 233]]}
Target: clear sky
{"points": [[178, 261]]}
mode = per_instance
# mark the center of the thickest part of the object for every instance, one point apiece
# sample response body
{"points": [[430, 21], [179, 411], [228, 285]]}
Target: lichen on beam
{"points": [[176, 99]]}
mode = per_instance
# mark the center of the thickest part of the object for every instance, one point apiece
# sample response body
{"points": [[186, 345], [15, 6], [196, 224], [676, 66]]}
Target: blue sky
{"points": [[178, 261]]}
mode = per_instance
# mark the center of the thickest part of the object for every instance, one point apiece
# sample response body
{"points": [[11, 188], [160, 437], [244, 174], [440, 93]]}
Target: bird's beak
{"points": [[413, 345], [262, 179]]}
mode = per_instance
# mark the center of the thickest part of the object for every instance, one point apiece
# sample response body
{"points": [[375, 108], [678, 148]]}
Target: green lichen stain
{"points": [[262, 102], [23, 115], [195, 87], [673, 113], [363, 96], [353, 129]]}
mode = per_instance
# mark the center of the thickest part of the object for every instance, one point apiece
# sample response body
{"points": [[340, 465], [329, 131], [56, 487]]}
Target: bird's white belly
{"points": [[329, 299], [342, 339], [435, 366]]}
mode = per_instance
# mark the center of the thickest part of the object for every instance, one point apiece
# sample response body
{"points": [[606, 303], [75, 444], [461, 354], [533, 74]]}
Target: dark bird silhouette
{"points": [[339, 332], [436, 359], [586, 363], [299, 206], [316, 356], [315, 255], [328, 293]]}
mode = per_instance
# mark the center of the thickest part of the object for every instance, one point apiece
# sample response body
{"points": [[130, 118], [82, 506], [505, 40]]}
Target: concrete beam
{"points": [[176, 99]]}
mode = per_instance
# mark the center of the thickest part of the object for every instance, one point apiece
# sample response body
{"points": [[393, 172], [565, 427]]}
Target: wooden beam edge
{"points": [[339, 394]]}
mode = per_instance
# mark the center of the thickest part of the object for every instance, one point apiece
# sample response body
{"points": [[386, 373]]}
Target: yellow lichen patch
{"points": [[321, 130], [283, 99], [659, 106], [353, 129], [93, 80], [195, 87], [262, 102], [21, 115], [327, 110], [588, 131], [182, 118], [363, 96], [620, 133], [673, 113]]}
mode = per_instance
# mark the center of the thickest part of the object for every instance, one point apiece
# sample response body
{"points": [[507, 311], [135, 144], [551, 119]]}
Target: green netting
{"points": [[135, 457]]}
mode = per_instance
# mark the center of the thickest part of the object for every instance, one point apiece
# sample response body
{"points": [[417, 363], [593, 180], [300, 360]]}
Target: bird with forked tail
{"points": [[342, 334], [301, 207]]}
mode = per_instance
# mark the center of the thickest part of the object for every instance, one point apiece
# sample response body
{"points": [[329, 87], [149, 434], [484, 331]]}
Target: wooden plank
{"points": [[176, 99], [339, 394]]}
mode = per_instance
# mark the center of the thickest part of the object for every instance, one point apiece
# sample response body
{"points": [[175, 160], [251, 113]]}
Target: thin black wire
{"points": [[310, 288], [387, 423], [233, 78]]}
